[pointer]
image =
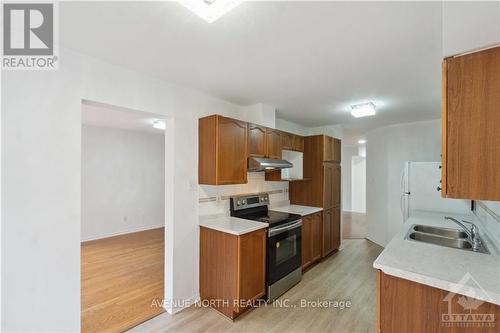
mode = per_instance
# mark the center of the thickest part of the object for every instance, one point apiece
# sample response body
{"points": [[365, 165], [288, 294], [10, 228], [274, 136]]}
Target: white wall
{"points": [[260, 114], [358, 184], [470, 25], [123, 181], [348, 153], [41, 172], [291, 127], [387, 149]]}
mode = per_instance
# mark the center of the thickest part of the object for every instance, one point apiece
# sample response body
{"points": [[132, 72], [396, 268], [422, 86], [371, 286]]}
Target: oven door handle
{"points": [[277, 231]]}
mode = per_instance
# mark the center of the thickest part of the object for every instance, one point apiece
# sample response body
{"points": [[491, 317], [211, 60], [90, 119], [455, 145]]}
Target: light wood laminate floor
{"points": [[353, 225], [120, 276], [346, 275]]}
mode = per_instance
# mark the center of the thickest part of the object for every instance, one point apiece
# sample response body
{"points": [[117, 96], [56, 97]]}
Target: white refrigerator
{"points": [[419, 186]]}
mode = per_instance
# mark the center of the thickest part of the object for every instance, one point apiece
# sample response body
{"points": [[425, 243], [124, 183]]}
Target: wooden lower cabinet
{"points": [[311, 239], [331, 230], [407, 306], [232, 269]]}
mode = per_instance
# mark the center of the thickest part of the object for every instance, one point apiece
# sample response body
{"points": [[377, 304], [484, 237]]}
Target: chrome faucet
{"points": [[473, 232]]}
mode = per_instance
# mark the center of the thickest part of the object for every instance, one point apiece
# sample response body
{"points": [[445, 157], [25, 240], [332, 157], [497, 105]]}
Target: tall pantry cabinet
{"points": [[322, 159]]}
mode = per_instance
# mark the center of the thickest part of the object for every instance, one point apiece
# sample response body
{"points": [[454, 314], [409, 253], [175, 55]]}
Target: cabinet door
{"points": [[316, 236], [256, 140], [273, 138], [331, 184], [298, 143], [337, 147], [231, 151], [327, 232], [328, 178], [335, 228], [335, 185], [287, 141], [306, 241], [327, 148], [471, 122], [252, 266]]}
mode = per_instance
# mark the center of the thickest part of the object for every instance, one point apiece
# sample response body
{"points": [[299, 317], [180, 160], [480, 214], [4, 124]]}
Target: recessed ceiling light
{"points": [[361, 142], [363, 110], [159, 124], [210, 10]]}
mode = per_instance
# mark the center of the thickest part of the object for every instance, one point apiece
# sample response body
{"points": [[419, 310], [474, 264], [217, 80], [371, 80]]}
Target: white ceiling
{"points": [[95, 114], [309, 59]]}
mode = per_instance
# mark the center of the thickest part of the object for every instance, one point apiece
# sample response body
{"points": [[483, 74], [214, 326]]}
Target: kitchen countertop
{"points": [[230, 225], [297, 209], [442, 267]]}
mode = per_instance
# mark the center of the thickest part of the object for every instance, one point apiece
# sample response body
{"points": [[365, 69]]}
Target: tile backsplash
{"points": [[488, 212], [215, 199]]}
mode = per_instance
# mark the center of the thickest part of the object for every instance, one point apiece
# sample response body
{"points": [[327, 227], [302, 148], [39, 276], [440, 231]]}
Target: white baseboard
{"points": [[188, 302], [123, 232], [374, 241]]}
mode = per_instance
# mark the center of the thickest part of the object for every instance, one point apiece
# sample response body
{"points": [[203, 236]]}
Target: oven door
{"points": [[284, 250]]}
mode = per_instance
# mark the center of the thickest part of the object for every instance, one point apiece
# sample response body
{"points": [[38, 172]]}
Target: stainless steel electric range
{"points": [[284, 237]]}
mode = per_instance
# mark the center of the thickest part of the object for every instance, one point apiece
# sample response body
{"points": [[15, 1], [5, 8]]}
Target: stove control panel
{"points": [[249, 201]]}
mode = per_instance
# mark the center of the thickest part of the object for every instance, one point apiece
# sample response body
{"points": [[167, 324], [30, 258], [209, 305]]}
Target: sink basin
{"points": [[457, 243], [454, 238], [445, 232]]}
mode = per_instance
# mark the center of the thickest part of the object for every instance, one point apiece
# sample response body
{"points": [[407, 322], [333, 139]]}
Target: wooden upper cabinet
{"points": [[331, 149], [256, 140], [222, 151], [292, 142], [328, 185], [331, 184], [298, 143], [471, 122], [287, 141], [273, 143]]}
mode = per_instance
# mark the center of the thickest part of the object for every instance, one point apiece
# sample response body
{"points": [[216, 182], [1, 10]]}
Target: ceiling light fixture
{"points": [[361, 142], [160, 124], [210, 10], [363, 110]]}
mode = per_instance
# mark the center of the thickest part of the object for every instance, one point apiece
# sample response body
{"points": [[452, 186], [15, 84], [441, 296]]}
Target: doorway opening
{"points": [[123, 217], [354, 223]]}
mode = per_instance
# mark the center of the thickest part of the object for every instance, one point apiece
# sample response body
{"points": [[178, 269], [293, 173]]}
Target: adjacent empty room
{"points": [[122, 230]]}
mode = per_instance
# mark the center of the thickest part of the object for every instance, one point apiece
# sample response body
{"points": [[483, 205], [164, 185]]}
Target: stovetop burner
{"points": [[271, 217], [254, 207]]}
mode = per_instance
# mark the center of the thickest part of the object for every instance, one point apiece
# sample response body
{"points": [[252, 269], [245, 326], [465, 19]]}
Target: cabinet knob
{"points": [[438, 188], [440, 167]]}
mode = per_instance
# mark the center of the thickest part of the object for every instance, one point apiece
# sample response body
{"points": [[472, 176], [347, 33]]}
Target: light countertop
{"points": [[296, 209], [465, 272], [230, 225]]}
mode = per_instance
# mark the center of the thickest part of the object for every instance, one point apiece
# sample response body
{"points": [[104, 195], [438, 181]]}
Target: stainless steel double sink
{"points": [[448, 237]]}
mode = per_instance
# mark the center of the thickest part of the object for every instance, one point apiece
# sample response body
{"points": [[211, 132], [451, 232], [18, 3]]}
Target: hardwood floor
{"points": [[353, 225], [120, 276], [346, 275]]}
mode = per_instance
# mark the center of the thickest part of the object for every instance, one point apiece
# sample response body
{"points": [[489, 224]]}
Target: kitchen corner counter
{"points": [[229, 224], [297, 209], [468, 273]]}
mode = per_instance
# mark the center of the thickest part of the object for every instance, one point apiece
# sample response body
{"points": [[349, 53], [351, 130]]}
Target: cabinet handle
{"points": [[439, 188], [440, 167]]}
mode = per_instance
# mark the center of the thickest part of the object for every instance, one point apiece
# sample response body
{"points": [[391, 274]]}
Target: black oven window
{"points": [[286, 249]]}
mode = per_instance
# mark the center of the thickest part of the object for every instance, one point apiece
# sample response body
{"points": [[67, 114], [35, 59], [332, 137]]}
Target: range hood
{"points": [[263, 164]]}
